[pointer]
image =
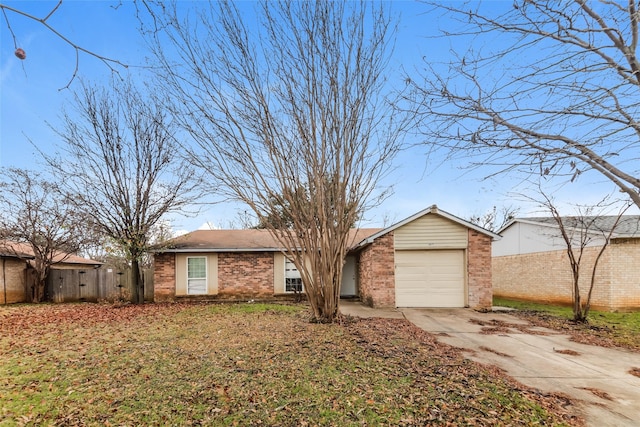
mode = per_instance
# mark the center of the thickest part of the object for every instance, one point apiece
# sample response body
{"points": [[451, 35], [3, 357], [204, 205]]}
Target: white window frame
{"points": [[292, 277], [190, 279]]}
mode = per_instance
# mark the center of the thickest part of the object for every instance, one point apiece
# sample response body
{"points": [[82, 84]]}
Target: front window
{"points": [[292, 279], [196, 275]]}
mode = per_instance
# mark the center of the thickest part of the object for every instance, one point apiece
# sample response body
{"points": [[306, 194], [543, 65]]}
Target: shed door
{"points": [[430, 278]]}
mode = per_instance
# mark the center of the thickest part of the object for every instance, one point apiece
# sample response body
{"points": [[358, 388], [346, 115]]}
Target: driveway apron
{"points": [[598, 379]]}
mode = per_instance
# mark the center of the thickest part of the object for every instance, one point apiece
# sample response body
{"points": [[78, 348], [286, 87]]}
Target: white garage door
{"points": [[430, 278]]}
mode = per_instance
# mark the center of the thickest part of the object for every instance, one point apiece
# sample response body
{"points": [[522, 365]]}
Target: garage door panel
{"points": [[430, 278]]}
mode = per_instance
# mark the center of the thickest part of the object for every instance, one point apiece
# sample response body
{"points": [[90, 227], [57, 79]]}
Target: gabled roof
{"points": [[628, 226], [433, 209], [24, 251], [238, 241], [263, 241]]}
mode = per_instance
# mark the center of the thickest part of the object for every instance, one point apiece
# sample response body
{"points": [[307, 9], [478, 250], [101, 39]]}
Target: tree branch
{"points": [[109, 62]]}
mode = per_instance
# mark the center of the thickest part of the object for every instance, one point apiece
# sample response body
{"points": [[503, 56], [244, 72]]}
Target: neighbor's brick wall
{"points": [[245, 275], [546, 277], [164, 277], [479, 270], [376, 270], [14, 283], [624, 262]]}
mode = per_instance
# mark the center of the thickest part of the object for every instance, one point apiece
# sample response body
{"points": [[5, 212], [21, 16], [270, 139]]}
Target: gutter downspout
{"points": [[4, 278]]}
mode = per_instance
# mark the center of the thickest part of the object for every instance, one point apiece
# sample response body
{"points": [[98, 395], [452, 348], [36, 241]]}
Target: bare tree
{"points": [[36, 214], [548, 87], [494, 219], [44, 21], [295, 102], [120, 163], [578, 232]]}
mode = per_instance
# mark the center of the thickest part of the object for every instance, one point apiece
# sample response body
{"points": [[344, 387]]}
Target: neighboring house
{"points": [[16, 278], [431, 259], [13, 275], [530, 262]]}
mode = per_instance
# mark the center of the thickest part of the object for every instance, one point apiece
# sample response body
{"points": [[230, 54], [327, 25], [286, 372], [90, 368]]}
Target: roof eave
{"points": [[209, 250], [17, 256]]}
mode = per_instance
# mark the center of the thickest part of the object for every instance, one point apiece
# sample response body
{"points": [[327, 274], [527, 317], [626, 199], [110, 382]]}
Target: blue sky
{"points": [[31, 98]]}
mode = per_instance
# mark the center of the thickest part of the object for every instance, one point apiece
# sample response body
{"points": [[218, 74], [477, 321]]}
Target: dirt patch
{"points": [[635, 371]]}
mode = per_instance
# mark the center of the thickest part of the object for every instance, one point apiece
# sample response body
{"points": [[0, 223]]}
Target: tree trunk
{"points": [[40, 283], [137, 283], [38, 290], [324, 299], [578, 314]]}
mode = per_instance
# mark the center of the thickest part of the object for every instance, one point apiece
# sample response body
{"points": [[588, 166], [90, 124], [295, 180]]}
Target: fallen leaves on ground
{"points": [[584, 333], [597, 392], [567, 352], [495, 326], [90, 364], [490, 350]]}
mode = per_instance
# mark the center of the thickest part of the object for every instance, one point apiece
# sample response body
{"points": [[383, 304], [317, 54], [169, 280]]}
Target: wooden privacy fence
{"points": [[72, 285]]}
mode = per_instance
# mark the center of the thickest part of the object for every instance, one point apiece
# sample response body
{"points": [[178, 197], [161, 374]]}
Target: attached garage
{"points": [[431, 259], [430, 278]]}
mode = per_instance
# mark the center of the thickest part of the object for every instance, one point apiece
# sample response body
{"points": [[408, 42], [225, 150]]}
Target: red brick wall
{"points": [[376, 270], [164, 277], [479, 270], [245, 274]]}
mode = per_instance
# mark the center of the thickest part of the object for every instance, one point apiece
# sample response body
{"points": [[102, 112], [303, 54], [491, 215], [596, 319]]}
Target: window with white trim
{"points": [[197, 275], [292, 279]]}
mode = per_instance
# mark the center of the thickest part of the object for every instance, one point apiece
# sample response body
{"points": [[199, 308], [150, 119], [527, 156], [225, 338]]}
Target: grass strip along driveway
{"points": [[244, 364], [604, 329]]}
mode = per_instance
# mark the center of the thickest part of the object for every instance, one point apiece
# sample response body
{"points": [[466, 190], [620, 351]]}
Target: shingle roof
{"points": [[629, 225], [22, 250], [240, 240], [11, 251]]}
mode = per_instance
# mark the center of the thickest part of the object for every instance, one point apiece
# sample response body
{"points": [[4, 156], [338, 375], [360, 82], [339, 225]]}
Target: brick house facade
{"points": [[164, 277], [544, 273], [245, 264], [479, 270], [376, 272], [246, 274], [547, 277]]}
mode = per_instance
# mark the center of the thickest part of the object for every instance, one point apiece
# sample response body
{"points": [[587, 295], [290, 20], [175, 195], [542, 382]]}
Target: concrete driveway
{"points": [[596, 378]]}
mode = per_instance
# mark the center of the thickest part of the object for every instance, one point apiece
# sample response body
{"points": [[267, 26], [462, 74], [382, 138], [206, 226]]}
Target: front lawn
{"points": [[245, 364], [603, 328]]}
